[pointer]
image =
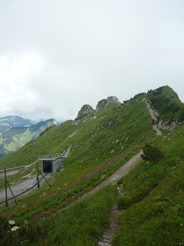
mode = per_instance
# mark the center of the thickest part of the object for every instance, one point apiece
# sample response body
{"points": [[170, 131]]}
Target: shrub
{"points": [[181, 114], [152, 153]]}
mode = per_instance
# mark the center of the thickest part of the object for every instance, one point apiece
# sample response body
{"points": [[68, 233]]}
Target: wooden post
{"points": [[6, 196]]}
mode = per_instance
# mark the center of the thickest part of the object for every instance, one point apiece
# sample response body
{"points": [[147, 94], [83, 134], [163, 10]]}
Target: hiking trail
{"points": [[153, 116]]}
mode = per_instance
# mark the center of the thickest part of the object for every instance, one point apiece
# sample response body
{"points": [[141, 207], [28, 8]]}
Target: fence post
{"points": [[38, 176], [12, 193], [6, 196]]}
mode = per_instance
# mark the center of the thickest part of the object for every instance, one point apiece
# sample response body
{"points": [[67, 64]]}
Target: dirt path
{"points": [[10, 171], [111, 229], [153, 116], [18, 188], [113, 179], [113, 226]]}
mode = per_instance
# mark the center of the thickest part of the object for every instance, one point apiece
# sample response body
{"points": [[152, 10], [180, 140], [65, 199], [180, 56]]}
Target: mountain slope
{"points": [[9, 122], [99, 146], [167, 104]]}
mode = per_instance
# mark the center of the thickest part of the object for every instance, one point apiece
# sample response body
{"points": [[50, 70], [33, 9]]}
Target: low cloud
{"points": [[55, 59]]}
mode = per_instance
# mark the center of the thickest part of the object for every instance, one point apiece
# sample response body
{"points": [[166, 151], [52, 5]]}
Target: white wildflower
{"points": [[11, 222], [15, 228]]}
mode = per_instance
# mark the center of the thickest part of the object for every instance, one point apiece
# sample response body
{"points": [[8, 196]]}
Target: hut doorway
{"points": [[47, 166]]}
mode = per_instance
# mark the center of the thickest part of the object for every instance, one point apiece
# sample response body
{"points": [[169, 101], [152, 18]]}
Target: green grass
{"points": [[167, 104], [153, 192], [152, 204], [158, 218], [81, 224]]}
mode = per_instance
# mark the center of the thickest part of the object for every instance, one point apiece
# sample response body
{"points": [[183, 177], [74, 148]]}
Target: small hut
{"points": [[50, 164]]}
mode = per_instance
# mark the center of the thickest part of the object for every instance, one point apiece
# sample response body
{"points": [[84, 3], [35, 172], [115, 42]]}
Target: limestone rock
{"points": [[104, 102], [112, 100], [86, 109], [101, 105], [85, 112]]}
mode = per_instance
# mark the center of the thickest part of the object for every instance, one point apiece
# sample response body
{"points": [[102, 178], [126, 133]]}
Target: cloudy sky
{"points": [[57, 55]]}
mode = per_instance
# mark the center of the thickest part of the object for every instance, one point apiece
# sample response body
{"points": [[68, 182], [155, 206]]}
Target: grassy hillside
{"points": [[152, 204], [167, 104], [99, 146]]}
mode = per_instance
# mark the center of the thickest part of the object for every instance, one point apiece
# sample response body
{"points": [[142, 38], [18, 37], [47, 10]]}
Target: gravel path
{"points": [[113, 179], [18, 188], [113, 226], [153, 116]]}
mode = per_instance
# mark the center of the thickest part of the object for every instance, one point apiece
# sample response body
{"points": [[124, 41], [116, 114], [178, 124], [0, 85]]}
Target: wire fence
{"points": [[25, 191]]}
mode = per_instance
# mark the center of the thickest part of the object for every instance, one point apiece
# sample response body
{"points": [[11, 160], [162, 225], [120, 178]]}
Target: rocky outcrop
{"points": [[85, 112], [165, 126], [103, 103], [112, 100]]}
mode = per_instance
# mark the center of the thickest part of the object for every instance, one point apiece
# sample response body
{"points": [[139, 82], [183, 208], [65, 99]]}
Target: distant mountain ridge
{"points": [[16, 137], [11, 121]]}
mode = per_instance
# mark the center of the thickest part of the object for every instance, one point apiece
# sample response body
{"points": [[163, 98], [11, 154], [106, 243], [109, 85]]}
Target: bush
{"points": [[181, 114], [152, 153]]}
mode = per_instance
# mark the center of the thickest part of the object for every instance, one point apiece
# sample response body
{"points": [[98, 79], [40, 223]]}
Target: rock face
{"points": [[86, 109], [83, 114], [112, 100], [103, 103], [165, 126]]}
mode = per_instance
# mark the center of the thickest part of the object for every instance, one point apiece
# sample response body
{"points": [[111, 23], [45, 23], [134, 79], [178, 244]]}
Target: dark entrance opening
{"points": [[47, 167]]}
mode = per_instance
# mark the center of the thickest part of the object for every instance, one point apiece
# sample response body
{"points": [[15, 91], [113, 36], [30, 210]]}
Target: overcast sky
{"points": [[57, 55]]}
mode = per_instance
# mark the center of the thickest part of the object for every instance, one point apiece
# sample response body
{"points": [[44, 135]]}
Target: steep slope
{"points": [[167, 104], [104, 135]]}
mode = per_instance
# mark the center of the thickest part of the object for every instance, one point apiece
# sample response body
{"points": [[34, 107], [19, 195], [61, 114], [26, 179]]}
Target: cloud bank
{"points": [[56, 56]]}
